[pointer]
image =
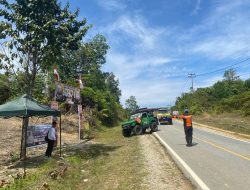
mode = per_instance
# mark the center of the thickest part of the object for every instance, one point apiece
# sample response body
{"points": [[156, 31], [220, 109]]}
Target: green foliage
{"points": [[104, 103], [230, 75], [247, 83], [131, 104], [34, 35], [5, 90], [14, 156], [229, 95], [86, 60], [37, 35]]}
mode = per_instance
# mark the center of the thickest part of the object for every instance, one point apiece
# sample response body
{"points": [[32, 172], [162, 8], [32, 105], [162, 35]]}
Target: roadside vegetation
{"points": [[108, 162], [229, 95], [38, 42], [227, 121], [226, 104], [33, 44]]}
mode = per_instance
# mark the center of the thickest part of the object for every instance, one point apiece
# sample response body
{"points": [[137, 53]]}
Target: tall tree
{"points": [[88, 59], [113, 85], [230, 75], [34, 33], [131, 104], [5, 91]]}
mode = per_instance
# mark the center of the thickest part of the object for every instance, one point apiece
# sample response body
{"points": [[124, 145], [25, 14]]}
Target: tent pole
{"points": [[24, 137], [23, 143], [60, 135], [21, 147]]}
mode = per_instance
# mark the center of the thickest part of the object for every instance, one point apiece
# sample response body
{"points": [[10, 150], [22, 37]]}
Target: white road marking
{"points": [[183, 163]]}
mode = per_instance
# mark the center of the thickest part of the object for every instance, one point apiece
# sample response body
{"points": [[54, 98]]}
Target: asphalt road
{"points": [[219, 161]]}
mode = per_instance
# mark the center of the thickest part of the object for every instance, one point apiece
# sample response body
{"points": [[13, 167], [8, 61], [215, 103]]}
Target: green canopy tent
{"points": [[25, 107]]}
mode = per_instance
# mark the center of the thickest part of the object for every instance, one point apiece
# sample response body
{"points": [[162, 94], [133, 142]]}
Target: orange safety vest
{"points": [[187, 120]]}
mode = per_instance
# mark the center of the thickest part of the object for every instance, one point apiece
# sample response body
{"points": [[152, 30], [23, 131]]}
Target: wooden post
{"points": [[60, 135], [24, 137]]}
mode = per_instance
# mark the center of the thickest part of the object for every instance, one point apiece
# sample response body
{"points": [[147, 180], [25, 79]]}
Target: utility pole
{"points": [[192, 76]]}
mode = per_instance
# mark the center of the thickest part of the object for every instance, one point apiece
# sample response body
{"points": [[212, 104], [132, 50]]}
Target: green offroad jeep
{"points": [[139, 122]]}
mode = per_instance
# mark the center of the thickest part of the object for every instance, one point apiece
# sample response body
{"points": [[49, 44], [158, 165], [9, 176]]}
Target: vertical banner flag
{"points": [[56, 73], [80, 82]]}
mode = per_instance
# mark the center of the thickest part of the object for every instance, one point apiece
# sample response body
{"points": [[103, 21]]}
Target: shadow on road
{"points": [[194, 144], [184, 144]]}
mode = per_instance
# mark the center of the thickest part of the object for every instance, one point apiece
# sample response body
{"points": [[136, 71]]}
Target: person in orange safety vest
{"points": [[188, 126]]}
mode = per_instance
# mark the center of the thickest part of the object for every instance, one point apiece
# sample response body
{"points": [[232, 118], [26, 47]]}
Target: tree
{"points": [[131, 104], [230, 75], [34, 33], [113, 85], [88, 60], [247, 83], [5, 91]]}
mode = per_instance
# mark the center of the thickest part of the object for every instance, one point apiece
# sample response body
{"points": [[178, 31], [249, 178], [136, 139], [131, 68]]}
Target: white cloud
{"points": [[142, 67], [147, 61], [129, 67], [135, 28], [196, 8], [112, 5], [152, 93], [224, 34]]}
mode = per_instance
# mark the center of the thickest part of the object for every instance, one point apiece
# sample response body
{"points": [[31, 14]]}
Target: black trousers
{"points": [[189, 134], [49, 148]]}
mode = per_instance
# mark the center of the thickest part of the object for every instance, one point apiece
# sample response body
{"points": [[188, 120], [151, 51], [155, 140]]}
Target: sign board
{"points": [[68, 94], [36, 134], [59, 92], [68, 91], [77, 94], [79, 109]]}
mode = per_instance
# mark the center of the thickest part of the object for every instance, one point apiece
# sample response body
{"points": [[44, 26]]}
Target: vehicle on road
{"points": [[164, 116], [175, 114], [139, 122]]}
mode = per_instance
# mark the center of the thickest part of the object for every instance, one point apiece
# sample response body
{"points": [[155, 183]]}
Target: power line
{"points": [[222, 69], [193, 75], [184, 86], [244, 74]]}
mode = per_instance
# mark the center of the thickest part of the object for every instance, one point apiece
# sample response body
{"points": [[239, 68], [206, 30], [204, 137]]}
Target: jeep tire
{"points": [[154, 127], [137, 130], [126, 132]]}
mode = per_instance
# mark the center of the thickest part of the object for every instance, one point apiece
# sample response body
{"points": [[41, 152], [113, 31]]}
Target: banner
{"points": [[77, 95], [68, 91], [59, 92], [36, 134], [68, 94]]}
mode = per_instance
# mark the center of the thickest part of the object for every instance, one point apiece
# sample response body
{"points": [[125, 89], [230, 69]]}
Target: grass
{"points": [[112, 162], [228, 121]]}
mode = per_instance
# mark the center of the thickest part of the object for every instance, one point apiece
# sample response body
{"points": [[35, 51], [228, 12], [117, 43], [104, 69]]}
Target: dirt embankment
{"points": [[10, 140]]}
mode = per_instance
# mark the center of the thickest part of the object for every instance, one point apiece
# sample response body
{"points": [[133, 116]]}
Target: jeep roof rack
{"points": [[144, 110]]}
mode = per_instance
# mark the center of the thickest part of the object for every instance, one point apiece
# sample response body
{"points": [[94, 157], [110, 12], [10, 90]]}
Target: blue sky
{"points": [[154, 44]]}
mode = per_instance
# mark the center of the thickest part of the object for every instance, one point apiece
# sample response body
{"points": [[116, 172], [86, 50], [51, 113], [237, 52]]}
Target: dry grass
{"points": [[227, 121], [109, 162]]}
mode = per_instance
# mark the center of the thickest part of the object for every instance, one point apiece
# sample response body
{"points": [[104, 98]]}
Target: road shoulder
{"points": [[162, 171]]}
